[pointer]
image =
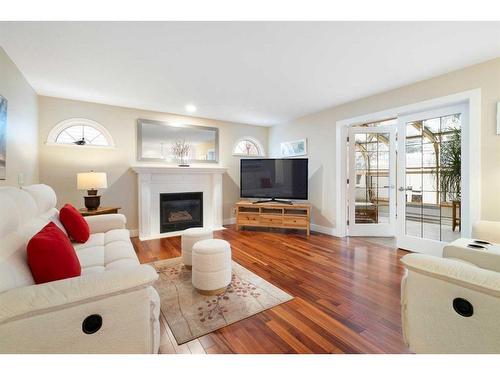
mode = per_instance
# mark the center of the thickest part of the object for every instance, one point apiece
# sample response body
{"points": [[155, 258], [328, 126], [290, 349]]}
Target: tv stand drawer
{"points": [[248, 219], [295, 221], [271, 219]]}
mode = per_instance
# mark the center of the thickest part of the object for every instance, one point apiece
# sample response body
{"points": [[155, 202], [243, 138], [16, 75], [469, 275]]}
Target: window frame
{"points": [[78, 121], [257, 144]]}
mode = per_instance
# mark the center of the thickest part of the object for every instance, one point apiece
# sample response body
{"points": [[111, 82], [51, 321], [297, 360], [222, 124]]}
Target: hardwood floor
{"points": [[346, 295]]}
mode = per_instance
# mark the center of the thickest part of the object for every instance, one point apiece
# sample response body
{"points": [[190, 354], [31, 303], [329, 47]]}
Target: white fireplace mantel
{"points": [[156, 179], [144, 169]]}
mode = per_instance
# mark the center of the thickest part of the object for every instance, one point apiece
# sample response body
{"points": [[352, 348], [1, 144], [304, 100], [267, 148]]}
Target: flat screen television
{"points": [[273, 178]]}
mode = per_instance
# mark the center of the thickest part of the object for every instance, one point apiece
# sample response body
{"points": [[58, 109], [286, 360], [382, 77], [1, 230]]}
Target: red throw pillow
{"points": [[74, 223], [51, 256]]}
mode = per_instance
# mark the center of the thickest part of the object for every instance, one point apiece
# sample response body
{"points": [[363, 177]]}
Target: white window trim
{"points": [[58, 128], [255, 141]]}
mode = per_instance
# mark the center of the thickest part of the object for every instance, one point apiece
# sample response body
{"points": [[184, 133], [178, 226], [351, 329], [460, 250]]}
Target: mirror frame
{"points": [[140, 122]]}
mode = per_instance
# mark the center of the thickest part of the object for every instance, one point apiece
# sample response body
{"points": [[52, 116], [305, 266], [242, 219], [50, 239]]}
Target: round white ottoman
{"points": [[188, 238], [211, 266]]}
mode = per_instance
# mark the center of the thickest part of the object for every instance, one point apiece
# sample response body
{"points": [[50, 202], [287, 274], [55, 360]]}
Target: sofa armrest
{"points": [[487, 231], [104, 223], [435, 321], [454, 271], [488, 258], [35, 299]]}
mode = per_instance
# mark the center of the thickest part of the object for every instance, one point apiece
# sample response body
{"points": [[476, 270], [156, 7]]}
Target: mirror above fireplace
{"points": [[156, 141]]}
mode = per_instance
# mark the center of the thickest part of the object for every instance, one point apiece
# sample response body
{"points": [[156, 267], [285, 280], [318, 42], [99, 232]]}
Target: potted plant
{"points": [[451, 167], [450, 175]]}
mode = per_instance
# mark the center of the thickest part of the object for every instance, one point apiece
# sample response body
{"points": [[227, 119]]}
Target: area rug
{"points": [[191, 315]]}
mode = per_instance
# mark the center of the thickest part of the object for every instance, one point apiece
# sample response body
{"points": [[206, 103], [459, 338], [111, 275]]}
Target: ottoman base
{"points": [[211, 292]]}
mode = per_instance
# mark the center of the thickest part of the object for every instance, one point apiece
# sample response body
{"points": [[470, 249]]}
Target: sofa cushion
{"points": [[106, 251], [43, 195], [19, 223], [76, 226], [51, 256]]}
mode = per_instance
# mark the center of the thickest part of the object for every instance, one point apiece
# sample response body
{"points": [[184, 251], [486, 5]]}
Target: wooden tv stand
{"points": [[273, 215]]}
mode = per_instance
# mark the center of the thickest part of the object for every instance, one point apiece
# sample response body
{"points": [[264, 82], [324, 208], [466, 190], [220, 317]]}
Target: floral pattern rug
{"points": [[191, 315]]}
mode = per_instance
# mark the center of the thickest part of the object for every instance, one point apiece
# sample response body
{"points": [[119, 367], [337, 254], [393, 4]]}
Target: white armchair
{"points": [[487, 230], [452, 305], [110, 308]]}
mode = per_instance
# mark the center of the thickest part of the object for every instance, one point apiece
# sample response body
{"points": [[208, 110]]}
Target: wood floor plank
{"points": [[312, 331], [207, 341], [291, 340], [195, 347], [220, 345], [346, 294]]}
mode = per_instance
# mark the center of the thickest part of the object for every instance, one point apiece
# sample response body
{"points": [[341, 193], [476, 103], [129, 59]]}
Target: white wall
{"points": [[59, 164], [319, 129], [22, 124]]}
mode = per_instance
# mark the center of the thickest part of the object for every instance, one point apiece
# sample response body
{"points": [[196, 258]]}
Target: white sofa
{"points": [[49, 318], [452, 305]]}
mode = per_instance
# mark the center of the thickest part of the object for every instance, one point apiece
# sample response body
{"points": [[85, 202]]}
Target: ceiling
{"points": [[261, 73]]}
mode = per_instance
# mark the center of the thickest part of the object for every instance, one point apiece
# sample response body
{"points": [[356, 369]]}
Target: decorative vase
{"points": [[181, 151], [182, 162]]}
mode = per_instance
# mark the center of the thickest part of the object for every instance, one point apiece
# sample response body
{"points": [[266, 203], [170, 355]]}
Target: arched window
{"points": [[248, 146], [80, 132]]}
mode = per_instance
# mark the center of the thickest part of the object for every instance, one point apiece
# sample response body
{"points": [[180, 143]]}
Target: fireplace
{"points": [[161, 179], [179, 211]]}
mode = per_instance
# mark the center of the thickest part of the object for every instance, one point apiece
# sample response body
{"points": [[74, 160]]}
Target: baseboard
{"points": [[324, 230], [231, 220], [171, 234]]}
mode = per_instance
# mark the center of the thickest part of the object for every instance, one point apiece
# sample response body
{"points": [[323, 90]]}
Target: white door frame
{"points": [[471, 156], [372, 229], [420, 244]]}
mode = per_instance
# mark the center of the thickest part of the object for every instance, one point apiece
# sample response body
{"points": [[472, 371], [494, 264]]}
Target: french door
{"points": [[372, 180], [430, 199]]}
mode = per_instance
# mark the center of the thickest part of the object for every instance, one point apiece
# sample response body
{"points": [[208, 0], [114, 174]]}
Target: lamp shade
{"points": [[91, 180]]}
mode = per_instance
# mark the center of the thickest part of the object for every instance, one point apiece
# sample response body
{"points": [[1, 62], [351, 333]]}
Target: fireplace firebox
{"points": [[179, 211]]}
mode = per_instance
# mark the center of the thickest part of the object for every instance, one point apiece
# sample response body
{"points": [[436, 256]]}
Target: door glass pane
{"points": [[433, 175], [432, 125], [413, 222], [371, 198], [383, 204]]}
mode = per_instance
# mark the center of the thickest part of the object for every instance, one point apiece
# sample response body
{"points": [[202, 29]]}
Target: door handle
{"points": [[388, 187], [405, 188]]}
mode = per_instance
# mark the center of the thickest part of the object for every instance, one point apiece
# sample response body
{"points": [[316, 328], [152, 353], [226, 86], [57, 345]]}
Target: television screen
{"points": [[274, 178]]}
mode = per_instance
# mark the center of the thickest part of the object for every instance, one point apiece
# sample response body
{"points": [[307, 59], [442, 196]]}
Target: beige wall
{"points": [[22, 124], [319, 129], [59, 164]]}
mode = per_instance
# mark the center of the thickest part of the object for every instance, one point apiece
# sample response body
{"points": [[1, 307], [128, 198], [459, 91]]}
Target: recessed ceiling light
{"points": [[190, 108]]}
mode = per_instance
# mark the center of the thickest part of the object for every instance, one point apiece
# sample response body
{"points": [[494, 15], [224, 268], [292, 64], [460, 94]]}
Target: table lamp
{"points": [[91, 181]]}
